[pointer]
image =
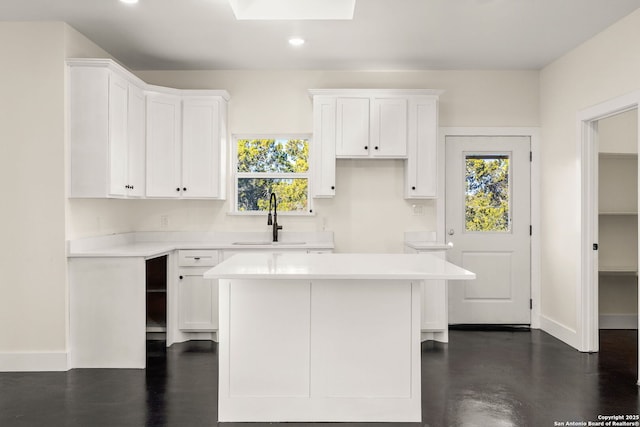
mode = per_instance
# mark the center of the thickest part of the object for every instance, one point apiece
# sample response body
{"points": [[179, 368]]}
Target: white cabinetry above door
{"points": [[376, 123]]}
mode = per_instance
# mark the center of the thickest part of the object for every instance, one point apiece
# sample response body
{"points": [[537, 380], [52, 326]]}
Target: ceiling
{"points": [[384, 34]]}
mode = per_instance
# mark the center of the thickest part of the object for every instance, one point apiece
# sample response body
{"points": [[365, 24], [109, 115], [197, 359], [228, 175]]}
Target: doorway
{"points": [[488, 220], [618, 221], [587, 295]]}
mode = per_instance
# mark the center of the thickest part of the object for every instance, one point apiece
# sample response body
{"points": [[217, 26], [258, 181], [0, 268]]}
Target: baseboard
{"points": [[562, 332], [33, 362], [440, 336], [618, 321]]}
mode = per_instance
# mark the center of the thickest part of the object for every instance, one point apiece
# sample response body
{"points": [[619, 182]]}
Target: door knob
{"points": [[451, 232]]}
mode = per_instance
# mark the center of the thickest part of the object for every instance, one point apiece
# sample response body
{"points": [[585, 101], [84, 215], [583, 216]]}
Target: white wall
{"points": [[604, 67], [369, 213], [32, 169], [619, 133]]}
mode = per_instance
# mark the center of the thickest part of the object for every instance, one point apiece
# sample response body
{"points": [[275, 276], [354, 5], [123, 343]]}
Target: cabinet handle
{"points": [[366, 147], [413, 188], [375, 148], [333, 187], [184, 188], [180, 277], [178, 189], [197, 258]]}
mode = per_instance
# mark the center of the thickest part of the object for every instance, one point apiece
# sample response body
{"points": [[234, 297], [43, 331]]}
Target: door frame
{"points": [[534, 136], [587, 286]]}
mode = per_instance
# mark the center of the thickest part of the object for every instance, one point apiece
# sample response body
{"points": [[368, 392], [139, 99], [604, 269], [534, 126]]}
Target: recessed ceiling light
{"points": [[296, 41], [129, 1]]}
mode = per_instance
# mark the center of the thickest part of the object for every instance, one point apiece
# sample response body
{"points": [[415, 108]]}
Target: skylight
{"points": [[293, 9]]}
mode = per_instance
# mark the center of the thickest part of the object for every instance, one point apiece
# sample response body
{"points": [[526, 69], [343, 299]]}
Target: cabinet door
{"points": [[353, 126], [201, 151], [163, 146], [434, 305], [136, 142], [389, 127], [118, 167], [422, 168], [323, 149], [197, 302]]}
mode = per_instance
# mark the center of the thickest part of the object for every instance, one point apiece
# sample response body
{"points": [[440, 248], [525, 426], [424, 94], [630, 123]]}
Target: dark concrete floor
{"points": [[481, 378]]}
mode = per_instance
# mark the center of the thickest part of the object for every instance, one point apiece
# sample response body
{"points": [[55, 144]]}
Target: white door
{"points": [[488, 220]]}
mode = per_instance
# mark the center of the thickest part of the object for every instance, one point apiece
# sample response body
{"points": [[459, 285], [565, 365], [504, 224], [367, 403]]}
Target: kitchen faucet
{"points": [[274, 221]]}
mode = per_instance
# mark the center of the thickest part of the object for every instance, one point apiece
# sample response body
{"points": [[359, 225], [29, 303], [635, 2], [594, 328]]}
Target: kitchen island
{"points": [[322, 337]]}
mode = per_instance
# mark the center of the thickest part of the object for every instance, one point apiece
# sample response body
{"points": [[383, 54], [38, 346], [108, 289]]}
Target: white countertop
{"points": [[152, 244], [424, 241], [337, 266], [428, 246]]}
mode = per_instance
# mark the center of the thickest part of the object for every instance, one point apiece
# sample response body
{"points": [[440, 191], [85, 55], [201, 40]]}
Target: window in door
{"points": [[487, 195]]}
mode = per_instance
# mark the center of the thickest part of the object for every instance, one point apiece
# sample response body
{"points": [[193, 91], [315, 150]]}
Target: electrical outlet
{"points": [[164, 221], [418, 210]]}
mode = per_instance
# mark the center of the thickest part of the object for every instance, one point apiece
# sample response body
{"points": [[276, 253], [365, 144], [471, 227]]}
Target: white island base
{"points": [[319, 338]]}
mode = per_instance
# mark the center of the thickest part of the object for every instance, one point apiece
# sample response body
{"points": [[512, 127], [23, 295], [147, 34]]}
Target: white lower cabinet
{"points": [[197, 302], [197, 297]]}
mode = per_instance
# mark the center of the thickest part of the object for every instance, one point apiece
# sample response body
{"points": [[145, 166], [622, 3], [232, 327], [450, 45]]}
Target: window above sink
{"points": [[263, 164]]}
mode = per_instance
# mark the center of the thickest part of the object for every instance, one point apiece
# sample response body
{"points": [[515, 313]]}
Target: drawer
{"points": [[197, 258]]}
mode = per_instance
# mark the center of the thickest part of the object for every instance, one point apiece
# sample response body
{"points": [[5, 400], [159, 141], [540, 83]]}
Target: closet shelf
{"points": [[625, 270], [618, 213]]}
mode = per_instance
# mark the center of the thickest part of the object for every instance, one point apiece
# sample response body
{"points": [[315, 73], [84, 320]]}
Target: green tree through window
{"points": [[487, 193], [272, 165]]}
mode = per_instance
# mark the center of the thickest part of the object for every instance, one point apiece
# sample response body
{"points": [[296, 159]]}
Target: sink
{"points": [[267, 243]]}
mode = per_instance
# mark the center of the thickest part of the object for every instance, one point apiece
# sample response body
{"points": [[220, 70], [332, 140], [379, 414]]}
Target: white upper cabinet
{"points": [[421, 170], [136, 136], [376, 123], [371, 126], [163, 146], [130, 139], [186, 140], [389, 122], [353, 126], [106, 131], [203, 146], [323, 147]]}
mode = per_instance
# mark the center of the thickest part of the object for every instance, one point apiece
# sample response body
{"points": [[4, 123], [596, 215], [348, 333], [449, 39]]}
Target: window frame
{"points": [[233, 208]]}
